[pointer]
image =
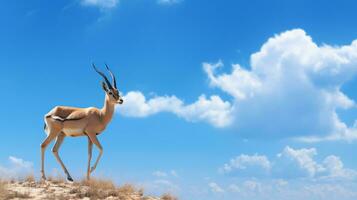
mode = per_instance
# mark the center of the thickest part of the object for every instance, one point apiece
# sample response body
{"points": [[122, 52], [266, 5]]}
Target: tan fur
{"points": [[64, 121]]}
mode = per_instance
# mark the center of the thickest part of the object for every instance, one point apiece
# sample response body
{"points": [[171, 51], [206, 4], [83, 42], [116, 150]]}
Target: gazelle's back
{"points": [[70, 120]]}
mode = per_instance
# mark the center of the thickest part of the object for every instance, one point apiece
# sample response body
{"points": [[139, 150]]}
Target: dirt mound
{"points": [[58, 189]]}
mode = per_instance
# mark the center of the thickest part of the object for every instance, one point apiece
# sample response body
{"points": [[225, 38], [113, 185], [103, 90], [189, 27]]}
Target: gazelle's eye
{"points": [[110, 93]]}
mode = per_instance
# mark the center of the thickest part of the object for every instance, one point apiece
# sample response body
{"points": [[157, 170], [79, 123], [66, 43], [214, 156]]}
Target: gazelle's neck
{"points": [[107, 110]]}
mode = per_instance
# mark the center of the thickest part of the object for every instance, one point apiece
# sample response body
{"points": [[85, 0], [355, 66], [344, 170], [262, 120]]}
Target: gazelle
{"points": [[64, 121]]}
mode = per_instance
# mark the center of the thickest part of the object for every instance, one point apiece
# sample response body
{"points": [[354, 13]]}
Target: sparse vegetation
{"points": [[56, 179], [17, 195], [5, 194], [101, 189], [56, 197], [3, 191], [56, 188], [168, 197], [30, 178]]}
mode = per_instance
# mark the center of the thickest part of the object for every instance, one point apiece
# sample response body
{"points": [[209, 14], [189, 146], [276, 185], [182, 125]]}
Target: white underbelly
{"points": [[72, 131]]}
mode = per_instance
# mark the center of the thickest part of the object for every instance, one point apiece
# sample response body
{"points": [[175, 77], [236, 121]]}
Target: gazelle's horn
{"points": [[113, 77], [104, 77]]}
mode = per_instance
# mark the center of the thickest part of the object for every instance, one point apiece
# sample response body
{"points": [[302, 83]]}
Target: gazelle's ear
{"points": [[105, 87]]}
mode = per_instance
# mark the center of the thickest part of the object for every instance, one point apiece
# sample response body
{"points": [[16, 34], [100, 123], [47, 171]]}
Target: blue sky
{"points": [[223, 99]]}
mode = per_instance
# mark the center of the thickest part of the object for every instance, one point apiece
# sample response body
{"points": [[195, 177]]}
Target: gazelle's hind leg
{"points": [[55, 149], [52, 133]]}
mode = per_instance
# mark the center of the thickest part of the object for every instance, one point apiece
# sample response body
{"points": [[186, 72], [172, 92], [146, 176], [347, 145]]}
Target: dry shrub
{"points": [[56, 197], [30, 178], [99, 184], [96, 189], [101, 189], [5, 194], [56, 180], [126, 189], [168, 197], [3, 191], [17, 195]]}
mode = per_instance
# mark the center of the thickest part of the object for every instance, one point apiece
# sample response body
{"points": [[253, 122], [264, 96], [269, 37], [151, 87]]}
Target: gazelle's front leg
{"points": [[90, 147], [93, 138]]}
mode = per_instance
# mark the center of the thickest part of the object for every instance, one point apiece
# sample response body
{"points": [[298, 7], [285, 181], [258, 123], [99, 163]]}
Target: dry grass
{"points": [[56, 179], [17, 195], [101, 189], [94, 189], [168, 197], [56, 197], [5, 194], [3, 191], [30, 178]]}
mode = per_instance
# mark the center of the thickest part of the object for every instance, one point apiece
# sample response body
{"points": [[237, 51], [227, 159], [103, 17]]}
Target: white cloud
{"points": [[102, 4], [234, 188], [161, 186], [253, 189], [294, 163], [174, 173], [160, 174], [292, 89], [247, 165], [299, 162], [289, 164], [17, 168], [212, 110], [253, 185], [20, 163], [215, 188], [241, 84], [168, 2], [335, 169], [294, 82], [166, 182], [302, 177]]}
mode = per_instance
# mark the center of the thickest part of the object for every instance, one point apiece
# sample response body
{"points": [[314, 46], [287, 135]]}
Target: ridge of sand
{"points": [[61, 190]]}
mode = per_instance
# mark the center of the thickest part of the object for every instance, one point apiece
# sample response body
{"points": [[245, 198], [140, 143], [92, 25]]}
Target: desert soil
{"points": [[53, 190]]}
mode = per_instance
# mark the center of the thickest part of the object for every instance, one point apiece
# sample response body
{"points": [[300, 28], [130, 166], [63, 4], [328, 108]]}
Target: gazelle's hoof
{"points": [[69, 179], [92, 169]]}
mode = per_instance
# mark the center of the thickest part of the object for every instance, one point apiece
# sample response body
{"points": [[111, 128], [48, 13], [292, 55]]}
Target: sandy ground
{"points": [[53, 190]]}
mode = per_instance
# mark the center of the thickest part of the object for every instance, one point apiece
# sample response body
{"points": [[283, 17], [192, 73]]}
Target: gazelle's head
{"points": [[110, 89]]}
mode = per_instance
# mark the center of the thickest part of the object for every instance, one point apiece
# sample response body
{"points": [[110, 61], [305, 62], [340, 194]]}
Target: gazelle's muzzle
{"points": [[120, 101]]}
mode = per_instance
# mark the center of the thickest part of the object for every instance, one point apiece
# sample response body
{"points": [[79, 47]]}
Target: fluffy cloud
{"points": [[241, 84], [168, 2], [293, 174], [212, 110], [17, 168], [161, 186], [289, 164], [159, 174], [298, 163], [253, 189], [335, 169], [102, 4], [292, 89], [295, 82], [162, 174], [215, 187], [247, 165]]}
